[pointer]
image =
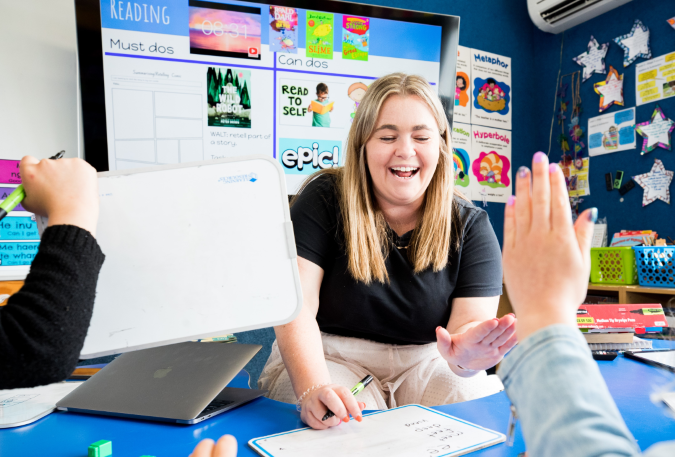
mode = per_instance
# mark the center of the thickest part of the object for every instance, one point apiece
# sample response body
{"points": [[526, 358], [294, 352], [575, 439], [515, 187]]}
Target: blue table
{"points": [[69, 434]]}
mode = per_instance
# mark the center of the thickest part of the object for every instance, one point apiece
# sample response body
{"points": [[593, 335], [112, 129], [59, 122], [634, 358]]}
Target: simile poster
{"points": [[461, 158], [491, 164], [491, 91], [463, 86]]}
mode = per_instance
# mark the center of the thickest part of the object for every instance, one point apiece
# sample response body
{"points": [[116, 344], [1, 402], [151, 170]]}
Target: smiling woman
{"points": [[400, 273]]}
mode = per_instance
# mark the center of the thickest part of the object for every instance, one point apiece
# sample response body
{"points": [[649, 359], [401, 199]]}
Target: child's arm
{"points": [[309, 108], [43, 326]]}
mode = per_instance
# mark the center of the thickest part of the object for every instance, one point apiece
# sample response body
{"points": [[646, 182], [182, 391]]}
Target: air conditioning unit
{"points": [[554, 16]]}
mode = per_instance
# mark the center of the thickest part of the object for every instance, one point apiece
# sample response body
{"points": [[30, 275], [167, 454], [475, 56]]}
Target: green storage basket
{"points": [[613, 266]]}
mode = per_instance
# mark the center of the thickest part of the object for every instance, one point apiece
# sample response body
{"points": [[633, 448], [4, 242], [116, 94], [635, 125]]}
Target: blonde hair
{"points": [[367, 234]]}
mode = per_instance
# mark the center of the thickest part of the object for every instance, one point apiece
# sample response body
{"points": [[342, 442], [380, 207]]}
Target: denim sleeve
{"points": [[561, 398]]}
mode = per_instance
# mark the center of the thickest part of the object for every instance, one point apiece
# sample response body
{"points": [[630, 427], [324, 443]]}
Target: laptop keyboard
{"points": [[214, 406]]}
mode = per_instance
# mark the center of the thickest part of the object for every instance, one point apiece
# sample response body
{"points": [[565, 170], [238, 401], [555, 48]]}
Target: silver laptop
{"points": [[183, 383]]}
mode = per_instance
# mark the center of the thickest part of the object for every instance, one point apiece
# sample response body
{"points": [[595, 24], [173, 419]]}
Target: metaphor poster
{"points": [[228, 97], [491, 164], [611, 132], [655, 79], [463, 85], [319, 35], [283, 29], [461, 158], [355, 37], [491, 91]]}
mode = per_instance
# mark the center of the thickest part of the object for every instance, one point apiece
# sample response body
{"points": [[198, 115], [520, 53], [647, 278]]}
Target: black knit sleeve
{"points": [[43, 326]]}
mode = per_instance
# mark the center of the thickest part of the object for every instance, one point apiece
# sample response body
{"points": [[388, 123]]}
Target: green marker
{"points": [[362, 384], [17, 196]]}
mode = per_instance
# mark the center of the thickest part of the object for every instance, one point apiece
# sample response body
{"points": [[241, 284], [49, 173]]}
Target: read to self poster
{"points": [[491, 91], [491, 168], [319, 35]]}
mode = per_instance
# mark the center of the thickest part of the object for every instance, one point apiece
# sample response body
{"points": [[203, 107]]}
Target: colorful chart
{"points": [[460, 159], [492, 169]]}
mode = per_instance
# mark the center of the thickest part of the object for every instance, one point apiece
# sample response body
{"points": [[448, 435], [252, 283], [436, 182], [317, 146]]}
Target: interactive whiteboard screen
{"points": [[192, 251], [184, 81]]}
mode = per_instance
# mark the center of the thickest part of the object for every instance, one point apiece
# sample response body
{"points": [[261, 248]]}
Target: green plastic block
{"points": [[102, 448]]}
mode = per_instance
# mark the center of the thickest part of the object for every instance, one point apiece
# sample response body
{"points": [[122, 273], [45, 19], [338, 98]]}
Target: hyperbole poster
{"points": [[491, 164], [491, 89]]}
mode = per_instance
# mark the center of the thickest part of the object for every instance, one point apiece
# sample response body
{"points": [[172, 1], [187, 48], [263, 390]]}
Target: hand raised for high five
{"points": [[480, 347], [546, 258]]}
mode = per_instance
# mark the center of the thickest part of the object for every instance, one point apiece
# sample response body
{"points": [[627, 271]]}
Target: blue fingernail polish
{"points": [[593, 215], [522, 172]]}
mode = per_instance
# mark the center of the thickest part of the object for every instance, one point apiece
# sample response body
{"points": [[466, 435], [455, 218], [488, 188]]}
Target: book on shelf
{"points": [[608, 337], [638, 343]]}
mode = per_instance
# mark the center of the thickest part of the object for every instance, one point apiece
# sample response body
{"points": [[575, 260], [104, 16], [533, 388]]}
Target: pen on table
{"points": [[17, 196], [511, 429], [355, 390]]}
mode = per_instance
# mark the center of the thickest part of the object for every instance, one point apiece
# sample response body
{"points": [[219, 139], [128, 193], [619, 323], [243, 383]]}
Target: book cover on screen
{"points": [[228, 97], [283, 29], [319, 35], [355, 37]]}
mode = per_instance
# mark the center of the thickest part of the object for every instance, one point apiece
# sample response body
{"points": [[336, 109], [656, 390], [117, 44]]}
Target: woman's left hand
{"points": [[480, 347]]}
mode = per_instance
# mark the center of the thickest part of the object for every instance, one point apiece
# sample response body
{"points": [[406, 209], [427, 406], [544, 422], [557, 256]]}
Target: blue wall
{"points": [[630, 214]]}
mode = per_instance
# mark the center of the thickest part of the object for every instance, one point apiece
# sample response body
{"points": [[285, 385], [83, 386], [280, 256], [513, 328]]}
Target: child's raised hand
{"points": [[309, 108], [546, 258]]}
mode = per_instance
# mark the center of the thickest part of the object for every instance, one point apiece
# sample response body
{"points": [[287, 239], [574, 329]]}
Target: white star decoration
{"points": [[610, 90], [593, 60], [656, 132], [635, 44], [656, 183]]}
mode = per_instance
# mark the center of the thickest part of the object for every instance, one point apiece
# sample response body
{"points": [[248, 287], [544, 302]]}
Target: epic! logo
{"points": [[304, 157]]}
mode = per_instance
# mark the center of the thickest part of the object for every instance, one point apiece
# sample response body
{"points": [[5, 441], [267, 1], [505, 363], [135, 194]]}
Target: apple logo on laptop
{"points": [[162, 372]]}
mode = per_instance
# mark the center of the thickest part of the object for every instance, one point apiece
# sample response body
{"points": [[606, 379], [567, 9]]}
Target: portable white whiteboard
{"points": [[192, 251], [407, 431]]}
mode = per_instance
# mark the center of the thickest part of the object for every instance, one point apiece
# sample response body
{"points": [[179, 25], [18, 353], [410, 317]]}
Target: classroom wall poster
{"points": [[283, 30], [355, 37], [463, 86], [611, 132], [491, 91], [655, 79], [576, 176], [319, 35], [491, 167], [461, 158]]}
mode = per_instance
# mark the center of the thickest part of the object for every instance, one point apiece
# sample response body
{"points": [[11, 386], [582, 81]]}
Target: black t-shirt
{"points": [[408, 309]]}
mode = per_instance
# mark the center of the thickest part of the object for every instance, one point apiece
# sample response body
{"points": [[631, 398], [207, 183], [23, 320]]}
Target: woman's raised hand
{"points": [[336, 398], [546, 258], [480, 347]]}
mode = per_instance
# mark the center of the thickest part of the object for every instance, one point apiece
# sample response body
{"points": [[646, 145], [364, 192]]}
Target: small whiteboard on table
{"points": [[192, 251], [407, 431]]}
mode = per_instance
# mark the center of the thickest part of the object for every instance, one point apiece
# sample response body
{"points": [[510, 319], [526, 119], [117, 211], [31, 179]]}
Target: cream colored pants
{"points": [[411, 374]]}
